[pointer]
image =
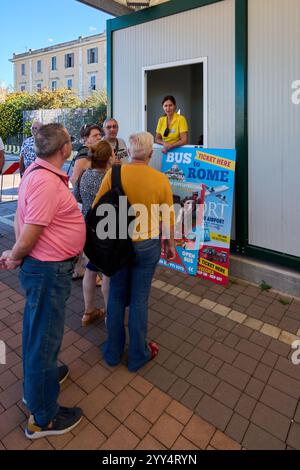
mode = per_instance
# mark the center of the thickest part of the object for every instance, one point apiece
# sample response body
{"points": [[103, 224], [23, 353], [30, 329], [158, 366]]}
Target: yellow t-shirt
{"points": [[145, 186], [178, 125]]}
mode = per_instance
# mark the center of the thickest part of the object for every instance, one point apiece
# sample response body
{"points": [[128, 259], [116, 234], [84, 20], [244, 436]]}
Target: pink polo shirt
{"points": [[45, 199]]}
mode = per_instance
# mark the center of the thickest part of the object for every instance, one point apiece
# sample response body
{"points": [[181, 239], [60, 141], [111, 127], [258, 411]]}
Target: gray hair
{"points": [[49, 139], [109, 119], [141, 145]]}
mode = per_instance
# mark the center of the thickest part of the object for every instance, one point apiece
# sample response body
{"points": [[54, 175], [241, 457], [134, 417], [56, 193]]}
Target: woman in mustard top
{"points": [[172, 128]]}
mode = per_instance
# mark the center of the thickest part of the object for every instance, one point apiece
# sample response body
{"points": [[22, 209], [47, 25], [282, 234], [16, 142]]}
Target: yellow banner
{"points": [[215, 160], [216, 267], [220, 238]]}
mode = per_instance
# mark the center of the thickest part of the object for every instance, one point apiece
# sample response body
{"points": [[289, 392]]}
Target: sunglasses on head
{"points": [[167, 132]]}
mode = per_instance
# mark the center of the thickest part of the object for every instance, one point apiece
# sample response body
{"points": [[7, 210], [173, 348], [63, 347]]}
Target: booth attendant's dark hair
{"points": [[169, 98]]}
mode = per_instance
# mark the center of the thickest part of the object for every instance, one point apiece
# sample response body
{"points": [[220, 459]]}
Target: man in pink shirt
{"points": [[50, 234]]}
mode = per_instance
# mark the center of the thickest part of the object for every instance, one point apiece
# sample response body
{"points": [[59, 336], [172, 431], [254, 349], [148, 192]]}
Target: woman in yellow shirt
{"points": [[172, 128]]}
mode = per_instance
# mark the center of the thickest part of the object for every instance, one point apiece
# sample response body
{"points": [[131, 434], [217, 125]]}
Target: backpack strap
{"points": [[39, 167], [116, 178]]}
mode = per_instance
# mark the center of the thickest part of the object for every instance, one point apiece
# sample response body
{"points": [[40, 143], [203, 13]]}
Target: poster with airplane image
{"points": [[212, 171]]}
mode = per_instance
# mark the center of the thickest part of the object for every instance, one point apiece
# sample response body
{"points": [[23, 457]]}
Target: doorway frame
{"points": [[179, 63]]}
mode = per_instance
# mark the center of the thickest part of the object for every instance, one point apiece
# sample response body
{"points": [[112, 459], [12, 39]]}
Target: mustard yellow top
{"points": [[178, 125], [146, 189]]}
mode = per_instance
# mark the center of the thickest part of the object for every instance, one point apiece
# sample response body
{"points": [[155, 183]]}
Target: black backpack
{"points": [[109, 255]]}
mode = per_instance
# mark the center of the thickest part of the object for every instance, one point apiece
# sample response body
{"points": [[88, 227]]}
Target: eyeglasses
{"points": [[167, 132], [111, 127]]}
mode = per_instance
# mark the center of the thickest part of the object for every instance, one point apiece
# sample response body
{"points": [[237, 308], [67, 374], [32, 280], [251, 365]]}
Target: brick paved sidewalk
{"points": [[223, 377]]}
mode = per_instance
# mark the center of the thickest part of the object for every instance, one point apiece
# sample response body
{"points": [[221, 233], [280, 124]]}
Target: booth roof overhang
{"points": [[120, 7]]}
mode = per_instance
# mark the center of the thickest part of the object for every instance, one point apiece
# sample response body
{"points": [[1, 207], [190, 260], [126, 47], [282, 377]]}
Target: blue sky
{"points": [[32, 24]]}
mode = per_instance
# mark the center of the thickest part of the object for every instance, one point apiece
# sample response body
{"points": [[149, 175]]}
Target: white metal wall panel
{"points": [[274, 125], [206, 31]]}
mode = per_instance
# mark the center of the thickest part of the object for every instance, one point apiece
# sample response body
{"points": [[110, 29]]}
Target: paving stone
{"points": [[7, 379], [294, 436], [221, 310], [184, 349], [287, 367], [279, 348], [184, 368], [11, 395], [269, 358], [271, 421], [194, 338], [96, 375], [237, 427], [198, 357], [150, 443], [263, 372], [118, 380], [285, 384], [10, 419], [166, 430], [204, 328], [258, 439], [153, 405], [226, 324], [90, 438], [214, 365], [16, 440], [227, 394], [71, 395], [234, 376], [121, 439], [180, 330], [124, 403], [222, 442], [253, 323], [279, 401], [106, 423], [210, 316], [169, 341], [205, 343], [178, 389], [255, 388], [245, 363], [160, 377], [93, 403], [203, 380], [198, 432], [250, 349], [183, 444], [137, 424], [192, 397], [220, 335], [236, 316], [179, 412], [232, 340], [290, 325], [223, 352], [214, 412]]}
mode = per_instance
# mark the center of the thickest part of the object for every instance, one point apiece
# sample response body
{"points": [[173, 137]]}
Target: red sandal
{"points": [[153, 349]]}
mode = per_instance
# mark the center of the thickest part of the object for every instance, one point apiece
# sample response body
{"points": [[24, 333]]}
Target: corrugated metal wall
{"points": [[206, 31], [274, 125]]}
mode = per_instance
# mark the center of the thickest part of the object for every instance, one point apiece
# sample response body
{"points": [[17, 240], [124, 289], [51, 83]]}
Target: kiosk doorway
{"points": [[187, 82]]}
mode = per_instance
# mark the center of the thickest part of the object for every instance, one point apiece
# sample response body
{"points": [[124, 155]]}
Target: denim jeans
{"points": [[47, 286], [131, 286]]}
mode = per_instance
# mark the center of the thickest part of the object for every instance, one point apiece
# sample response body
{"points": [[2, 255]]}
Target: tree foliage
{"points": [[12, 107]]}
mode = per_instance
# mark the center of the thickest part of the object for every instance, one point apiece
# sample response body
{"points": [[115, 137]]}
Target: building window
{"points": [[93, 82], [70, 83], [92, 55], [38, 87], [23, 69], [69, 60], [53, 63], [39, 66], [23, 87], [54, 85]]}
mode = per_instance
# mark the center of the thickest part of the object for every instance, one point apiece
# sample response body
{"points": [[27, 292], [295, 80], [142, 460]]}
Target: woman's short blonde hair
{"points": [[100, 153], [141, 145]]}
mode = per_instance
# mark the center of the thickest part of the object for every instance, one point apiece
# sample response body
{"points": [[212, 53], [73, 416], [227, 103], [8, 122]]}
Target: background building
{"points": [[79, 65]]}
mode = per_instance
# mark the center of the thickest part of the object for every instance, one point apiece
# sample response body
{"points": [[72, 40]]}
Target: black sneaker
{"points": [[65, 420], [63, 374]]}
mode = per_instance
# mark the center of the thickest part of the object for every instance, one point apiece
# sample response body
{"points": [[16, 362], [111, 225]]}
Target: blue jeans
{"points": [[131, 285], [47, 286]]}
